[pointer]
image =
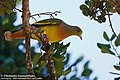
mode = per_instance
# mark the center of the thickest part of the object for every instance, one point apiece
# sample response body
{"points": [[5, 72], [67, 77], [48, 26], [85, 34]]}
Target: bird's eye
{"points": [[78, 30]]}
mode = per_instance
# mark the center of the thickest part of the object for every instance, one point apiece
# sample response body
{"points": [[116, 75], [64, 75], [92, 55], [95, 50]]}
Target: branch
{"points": [[47, 13], [25, 21], [48, 51], [111, 24]]}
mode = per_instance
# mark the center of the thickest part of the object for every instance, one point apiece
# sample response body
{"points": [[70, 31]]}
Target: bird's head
{"points": [[77, 31]]}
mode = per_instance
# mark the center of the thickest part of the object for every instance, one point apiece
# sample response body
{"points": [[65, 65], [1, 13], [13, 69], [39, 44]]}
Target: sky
{"points": [[101, 63]]}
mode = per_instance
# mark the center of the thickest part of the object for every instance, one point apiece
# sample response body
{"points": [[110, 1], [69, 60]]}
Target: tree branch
{"points": [[26, 27], [111, 24], [48, 51], [46, 13]]}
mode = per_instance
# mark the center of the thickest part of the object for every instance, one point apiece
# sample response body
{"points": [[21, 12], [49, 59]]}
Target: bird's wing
{"points": [[47, 22]]}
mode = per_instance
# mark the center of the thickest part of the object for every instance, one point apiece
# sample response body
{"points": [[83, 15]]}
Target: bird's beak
{"points": [[80, 36]]}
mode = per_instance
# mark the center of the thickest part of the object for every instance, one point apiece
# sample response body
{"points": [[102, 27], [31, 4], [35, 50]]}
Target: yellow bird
{"points": [[55, 29]]}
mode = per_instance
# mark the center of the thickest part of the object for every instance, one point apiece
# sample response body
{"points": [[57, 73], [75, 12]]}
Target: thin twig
{"points": [[18, 9], [111, 24], [46, 13], [114, 48]]}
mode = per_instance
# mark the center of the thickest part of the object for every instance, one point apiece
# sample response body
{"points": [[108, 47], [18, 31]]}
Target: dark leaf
{"points": [[105, 36], [105, 49], [67, 58], [77, 61], [74, 78], [85, 10], [115, 73], [118, 78], [86, 72], [66, 71], [95, 78], [102, 45], [113, 37], [117, 67], [117, 41]]}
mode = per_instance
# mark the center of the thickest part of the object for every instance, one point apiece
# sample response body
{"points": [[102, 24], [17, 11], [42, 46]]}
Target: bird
{"points": [[55, 29]]}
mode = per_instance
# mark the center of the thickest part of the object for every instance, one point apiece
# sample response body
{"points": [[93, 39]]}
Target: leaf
{"points": [[105, 36], [86, 71], [102, 45], [36, 58], [67, 58], [105, 49], [95, 78], [58, 57], [91, 4], [59, 66], [41, 65], [87, 1], [113, 37], [117, 67], [67, 71], [86, 64], [74, 78], [62, 48], [77, 61], [117, 41], [85, 10]]}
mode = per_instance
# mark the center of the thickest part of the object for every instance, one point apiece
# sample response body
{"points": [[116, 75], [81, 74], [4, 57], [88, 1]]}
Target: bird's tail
{"points": [[19, 34]]}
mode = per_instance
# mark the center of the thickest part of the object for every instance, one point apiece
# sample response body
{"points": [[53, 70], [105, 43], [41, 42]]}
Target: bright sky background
{"points": [[102, 64]]}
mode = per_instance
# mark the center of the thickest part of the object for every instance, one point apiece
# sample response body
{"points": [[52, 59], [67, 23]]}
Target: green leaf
{"points": [[62, 48], [95, 78], [74, 78], [105, 49], [77, 61], [67, 71], [117, 41], [41, 65], [102, 45], [86, 64], [58, 57], [86, 71], [113, 37], [85, 10], [105, 36], [59, 66], [36, 59]]}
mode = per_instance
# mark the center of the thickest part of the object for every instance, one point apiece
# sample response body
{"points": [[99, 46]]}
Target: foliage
{"points": [[111, 47], [98, 10], [12, 60], [62, 66]]}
